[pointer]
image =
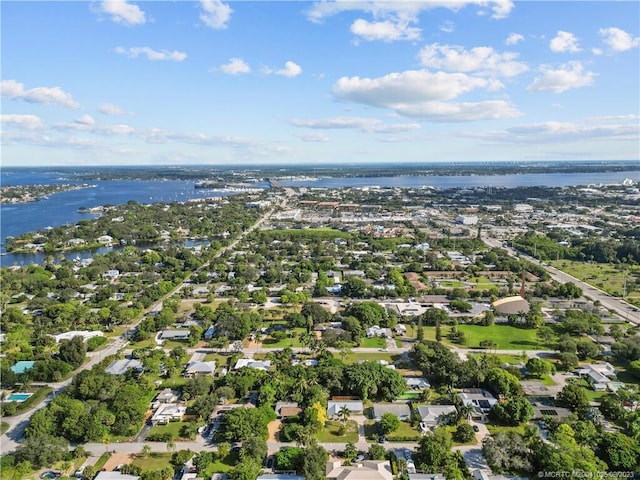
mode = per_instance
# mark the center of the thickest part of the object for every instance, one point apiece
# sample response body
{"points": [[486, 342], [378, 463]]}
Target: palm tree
{"points": [[343, 414], [465, 411], [146, 450], [171, 444]]}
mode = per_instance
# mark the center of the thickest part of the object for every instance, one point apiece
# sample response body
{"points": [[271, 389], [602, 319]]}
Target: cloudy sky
{"points": [[124, 82]]}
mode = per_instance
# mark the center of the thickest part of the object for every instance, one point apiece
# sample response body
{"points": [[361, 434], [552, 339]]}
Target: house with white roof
{"points": [[601, 376], [334, 406], [417, 383], [433, 415], [168, 412], [251, 363], [377, 331], [366, 470]]}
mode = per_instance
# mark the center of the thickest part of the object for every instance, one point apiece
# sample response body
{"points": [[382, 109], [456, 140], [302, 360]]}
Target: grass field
{"points": [[505, 336], [603, 276], [155, 461], [330, 433], [451, 283]]}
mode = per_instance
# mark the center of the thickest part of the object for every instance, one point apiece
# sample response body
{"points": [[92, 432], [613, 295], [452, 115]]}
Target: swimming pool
{"points": [[18, 397]]}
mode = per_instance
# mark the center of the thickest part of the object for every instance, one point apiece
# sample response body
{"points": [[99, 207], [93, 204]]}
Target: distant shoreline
{"points": [[12, 194]]}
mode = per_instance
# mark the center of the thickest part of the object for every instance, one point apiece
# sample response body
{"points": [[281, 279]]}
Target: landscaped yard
{"points": [[330, 433], [221, 466], [505, 336]]}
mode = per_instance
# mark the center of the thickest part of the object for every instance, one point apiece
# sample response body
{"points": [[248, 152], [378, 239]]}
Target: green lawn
{"points": [[104, 458], [452, 430], [592, 395], [604, 276], [4, 427], [270, 342], [409, 396], [329, 434], [149, 343], [505, 336], [171, 427], [369, 357], [493, 429], [375, 342], [155, 461], [404, 430], [220, 466], [451, 283], [481, 282]]}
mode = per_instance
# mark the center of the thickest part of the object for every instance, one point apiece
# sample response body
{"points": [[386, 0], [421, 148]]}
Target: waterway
{"points": [[63, 208]]}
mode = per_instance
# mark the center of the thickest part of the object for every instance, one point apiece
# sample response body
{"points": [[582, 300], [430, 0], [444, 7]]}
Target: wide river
{"points": [[62, 208]]}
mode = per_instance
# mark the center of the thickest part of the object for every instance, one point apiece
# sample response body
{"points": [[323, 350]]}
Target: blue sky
{"points": [[212, 82]]}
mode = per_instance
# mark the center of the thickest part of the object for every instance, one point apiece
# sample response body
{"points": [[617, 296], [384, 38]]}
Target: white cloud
{"points": [[548, 132], [618, 40], [291, 69], [312, 137], [85, 120], [564, 42], [597, 51], [400, 9], [235, 66], [111, 109], [369, 125], [387, 30], [215, 14], [122, 12], [447, 27], [514, 38], [41, 95], [481, 60], [26, 122], [568, 76], [151, 54], [422, 94]]}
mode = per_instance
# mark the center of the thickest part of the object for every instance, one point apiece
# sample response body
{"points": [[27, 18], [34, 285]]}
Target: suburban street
{"points": [[10, 440]]}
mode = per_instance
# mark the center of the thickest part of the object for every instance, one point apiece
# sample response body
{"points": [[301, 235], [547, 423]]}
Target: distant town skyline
{"points": [[119, 82]]}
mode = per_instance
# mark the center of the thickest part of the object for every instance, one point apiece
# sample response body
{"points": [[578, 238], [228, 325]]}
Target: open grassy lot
{"points": [[451, 283], [172, 428], [604, 276], [502, 358], [481, 282], [404, 430], [155, 461], [373, 342], [493, 429], [221, 466], [505, 336], [331, 430], [288, 341], [370, 357]]}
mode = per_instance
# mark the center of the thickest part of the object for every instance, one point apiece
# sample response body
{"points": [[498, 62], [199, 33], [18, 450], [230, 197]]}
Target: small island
{"points": [[34, 193]]}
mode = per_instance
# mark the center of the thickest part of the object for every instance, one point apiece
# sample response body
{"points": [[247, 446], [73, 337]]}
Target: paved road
{"points": [[17, 424], [624, 309]]}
